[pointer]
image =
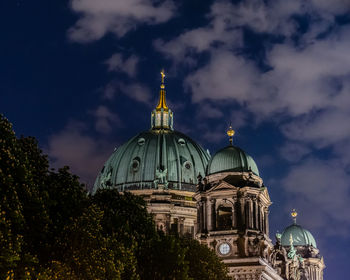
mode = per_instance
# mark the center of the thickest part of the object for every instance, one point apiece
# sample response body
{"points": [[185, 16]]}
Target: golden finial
{"points": [[230, 132], [162, 73], [162, 101], [294, 215]]}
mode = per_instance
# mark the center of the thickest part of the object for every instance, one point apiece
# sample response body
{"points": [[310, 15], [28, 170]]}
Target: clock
{"points": [[224, 248]]}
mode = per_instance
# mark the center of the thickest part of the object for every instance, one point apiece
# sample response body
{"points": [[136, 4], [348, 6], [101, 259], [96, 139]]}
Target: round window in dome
{"points": [[181, 142], [135, 165], [188, 165], [141, 141]]}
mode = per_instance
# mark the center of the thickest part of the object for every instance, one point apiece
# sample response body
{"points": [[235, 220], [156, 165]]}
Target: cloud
{"points": [[215, 135], [301, 81], [238, 119], [97, 18], [228, 20], [105, 119], [118, 64], [220, 31], [207, 111], [305, 91], [226, 76], [319, 189], [326, 128], [294, 151], [135, 91], [311, 78], [84, 154]]}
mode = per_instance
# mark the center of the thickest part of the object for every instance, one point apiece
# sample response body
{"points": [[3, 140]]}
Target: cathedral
{"points": [[219, 200]]}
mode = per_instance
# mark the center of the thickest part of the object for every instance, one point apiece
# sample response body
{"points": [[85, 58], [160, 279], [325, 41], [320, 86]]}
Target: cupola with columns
{"points": [[295, 255], [162, 116], [232, 217]]}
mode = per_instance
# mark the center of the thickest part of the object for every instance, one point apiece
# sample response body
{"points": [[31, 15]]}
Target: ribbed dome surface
{"points": [[234, 159], [135, 164], [301, 236]]}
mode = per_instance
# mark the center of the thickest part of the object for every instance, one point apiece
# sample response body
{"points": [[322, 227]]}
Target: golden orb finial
{"points": [[230, 132], [294, 215]]}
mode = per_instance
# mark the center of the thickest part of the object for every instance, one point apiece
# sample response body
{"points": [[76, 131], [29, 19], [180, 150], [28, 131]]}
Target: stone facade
{"points": [[227, 210], [230, 214], [173, 210]]}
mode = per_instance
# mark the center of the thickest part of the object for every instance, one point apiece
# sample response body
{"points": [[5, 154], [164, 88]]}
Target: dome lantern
{"points": [[162, 116]]}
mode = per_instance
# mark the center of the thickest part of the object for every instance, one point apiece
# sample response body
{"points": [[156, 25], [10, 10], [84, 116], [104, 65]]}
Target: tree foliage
{"points": [[50, 228]]}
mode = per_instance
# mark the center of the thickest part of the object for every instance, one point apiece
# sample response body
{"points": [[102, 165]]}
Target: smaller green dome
{"points": [[232, 158], [301, 236]]}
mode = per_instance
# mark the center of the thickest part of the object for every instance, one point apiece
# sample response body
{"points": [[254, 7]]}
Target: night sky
{"points": [[82, 76]]}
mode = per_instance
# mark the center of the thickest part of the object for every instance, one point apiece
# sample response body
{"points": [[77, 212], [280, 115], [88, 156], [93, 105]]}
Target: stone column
{"points": [[251, 217], [199, 217], [205, 218], [213, 210], [246, 214], [267, 221], [209, 209], [181, 225], [234, 215], [256, 215], [208, 214], [242, 211]]}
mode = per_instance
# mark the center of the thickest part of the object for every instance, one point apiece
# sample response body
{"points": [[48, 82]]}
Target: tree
{"points": [[15, 173], [204, 264], [126, 216], [50, 228], [93, 255], [164, 259]]}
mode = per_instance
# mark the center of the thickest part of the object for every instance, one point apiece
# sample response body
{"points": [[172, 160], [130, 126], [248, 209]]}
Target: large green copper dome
{"points": [[159, 157], [232, 158], [137, 163], [301, 236]]}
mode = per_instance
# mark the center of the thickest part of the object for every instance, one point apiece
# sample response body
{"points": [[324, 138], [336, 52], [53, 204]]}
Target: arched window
{"points": [[224, 217]]}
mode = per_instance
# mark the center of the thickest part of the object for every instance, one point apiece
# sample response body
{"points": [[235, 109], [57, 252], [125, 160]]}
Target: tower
{"points": [[295, 255], [232, 218]]}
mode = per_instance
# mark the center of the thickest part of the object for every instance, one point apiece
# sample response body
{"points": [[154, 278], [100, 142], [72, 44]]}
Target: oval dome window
{"points": [[135, 164], [141, 141], [181, 142]]}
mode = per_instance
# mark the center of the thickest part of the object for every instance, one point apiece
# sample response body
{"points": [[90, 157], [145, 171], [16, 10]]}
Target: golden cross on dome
{"points": [[162, 73]]}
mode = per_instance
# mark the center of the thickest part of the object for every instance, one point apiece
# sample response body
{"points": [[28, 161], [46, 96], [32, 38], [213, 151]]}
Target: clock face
{"points": [[224, 249]]}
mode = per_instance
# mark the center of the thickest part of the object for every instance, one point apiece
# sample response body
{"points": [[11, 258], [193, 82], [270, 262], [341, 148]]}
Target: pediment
{"points": [[222, 186]]}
